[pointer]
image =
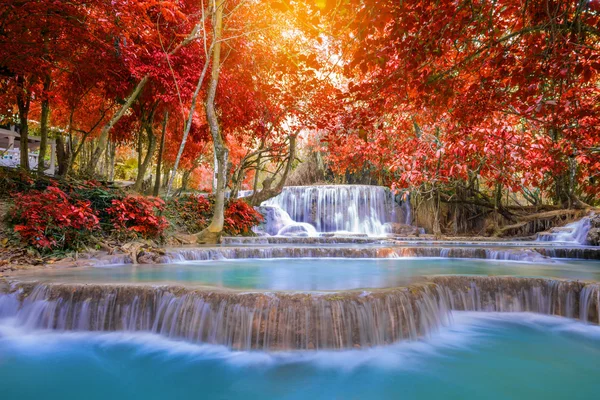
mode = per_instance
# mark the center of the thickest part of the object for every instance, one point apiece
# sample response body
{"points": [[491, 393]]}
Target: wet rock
{"points": [[402, 229], [148, 257], [182, 238], [84, 263], [593, 236]]}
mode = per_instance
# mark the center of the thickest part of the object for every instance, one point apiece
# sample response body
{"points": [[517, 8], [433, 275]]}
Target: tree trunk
{"points": [[143, 167], [268, 192], [103, 139], [160, 154], [44, 124], [63, 156], [23, 103], [213, 232], [185, 179], [437, 231], [188, 126], [497, 205], [111, 161], [166, 173]]}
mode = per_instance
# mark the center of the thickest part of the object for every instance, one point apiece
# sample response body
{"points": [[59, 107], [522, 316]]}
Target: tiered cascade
{"points": [[283, 321]]}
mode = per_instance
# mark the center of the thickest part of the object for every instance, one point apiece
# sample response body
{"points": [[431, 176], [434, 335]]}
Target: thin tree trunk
{"points": [[139, 152], [111, 161], [185, 179], [63, 155], [267, 192], [188, 126], [23, 103], [437, 231], [143, 167], [106, 162], [166, 173], [103, 139], [160, 154], [44, 124], [213, 232]]}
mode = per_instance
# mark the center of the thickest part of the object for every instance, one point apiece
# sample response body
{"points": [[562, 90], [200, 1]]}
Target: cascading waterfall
{"points": [[279, 222], [283, 321], [538, 254], [575, 232], [358, 209]]}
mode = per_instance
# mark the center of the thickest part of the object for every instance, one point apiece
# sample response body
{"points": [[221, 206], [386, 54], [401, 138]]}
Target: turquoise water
{"points": [[319, 274], [481, 356]]}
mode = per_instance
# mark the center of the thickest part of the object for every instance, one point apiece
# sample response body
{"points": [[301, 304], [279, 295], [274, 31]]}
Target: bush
{"points": [[15, 180], [100, 197], [138, 215], [193, 213], [50, 220], [240, 217]]}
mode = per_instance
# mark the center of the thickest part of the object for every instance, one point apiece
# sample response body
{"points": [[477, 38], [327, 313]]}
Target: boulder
{"points": [[593, 236], [402, 229]]}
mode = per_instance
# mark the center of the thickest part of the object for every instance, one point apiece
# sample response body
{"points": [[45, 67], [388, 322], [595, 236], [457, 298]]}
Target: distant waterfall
{"points": [[358, 209]]}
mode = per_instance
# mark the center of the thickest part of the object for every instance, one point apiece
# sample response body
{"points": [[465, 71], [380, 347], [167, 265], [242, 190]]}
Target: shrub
{"points": [[240, 217], [192, 213], [100, 197], [14, 180], [138, 215], [50, 220]]}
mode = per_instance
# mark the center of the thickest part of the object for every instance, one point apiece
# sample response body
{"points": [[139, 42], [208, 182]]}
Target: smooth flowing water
{"points": [[480, 356], [335, 208], [575, 232], [318, 274]]}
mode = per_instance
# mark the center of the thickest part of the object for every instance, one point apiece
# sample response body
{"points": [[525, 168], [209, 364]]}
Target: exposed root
{"points": [[533, 223], [209, 237]]}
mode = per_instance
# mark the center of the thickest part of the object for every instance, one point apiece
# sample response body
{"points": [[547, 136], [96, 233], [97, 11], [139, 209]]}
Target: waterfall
{"points": [[536, 254], [357, 209], [575, 232], [284, 321], [279, 222]]}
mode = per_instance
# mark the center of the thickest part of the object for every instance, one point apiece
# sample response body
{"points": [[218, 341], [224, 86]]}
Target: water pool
{"points": [[317, 274], [491, 356]]}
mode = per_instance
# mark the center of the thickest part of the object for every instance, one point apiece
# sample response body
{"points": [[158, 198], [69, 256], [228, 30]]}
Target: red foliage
{"points": [[193, 213], [139, 215], [49, 220], [240, 217]]}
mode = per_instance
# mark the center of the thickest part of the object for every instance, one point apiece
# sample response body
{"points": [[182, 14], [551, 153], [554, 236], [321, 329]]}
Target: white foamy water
{"points": [[575, 232], [351, 209], [467, 329]]}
